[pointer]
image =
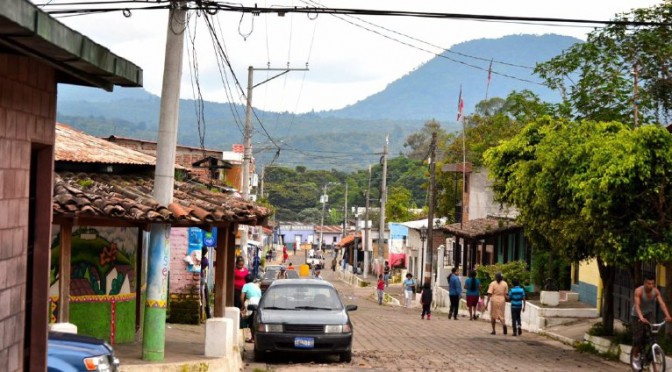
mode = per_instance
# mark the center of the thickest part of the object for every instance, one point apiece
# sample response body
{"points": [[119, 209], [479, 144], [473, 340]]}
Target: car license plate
{"points": [[304, 342]]}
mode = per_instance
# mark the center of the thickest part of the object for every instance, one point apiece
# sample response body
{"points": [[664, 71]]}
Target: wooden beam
{"points": [[220, 271], [230, 264], [139, 258], [64, 274]]}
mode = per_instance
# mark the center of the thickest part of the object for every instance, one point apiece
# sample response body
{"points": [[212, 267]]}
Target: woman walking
{"points": [[239, 274], [249, 295], [426, 299], [473, 287], [497, 292], [454, 292], [409, 288]]}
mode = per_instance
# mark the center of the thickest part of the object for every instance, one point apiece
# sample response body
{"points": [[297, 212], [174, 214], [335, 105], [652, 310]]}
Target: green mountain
{"points": [[323, 140]]}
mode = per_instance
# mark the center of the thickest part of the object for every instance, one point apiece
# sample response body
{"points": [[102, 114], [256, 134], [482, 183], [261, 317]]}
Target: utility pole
{"points": [[367, 226], [636, 95], [323, 199], [153, 342], [383, 197], [247, 140], [345, 210], [261, 187], [432, 202]]}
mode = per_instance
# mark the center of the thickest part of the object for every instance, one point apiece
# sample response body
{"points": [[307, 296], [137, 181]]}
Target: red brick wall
{"points": [[181, 280], [27, 118]]}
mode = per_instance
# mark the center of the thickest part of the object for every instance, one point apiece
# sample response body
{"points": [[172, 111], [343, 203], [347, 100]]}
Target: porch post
{"points": [[139, 258], [220, 270], [230, 264], [64, 273]]}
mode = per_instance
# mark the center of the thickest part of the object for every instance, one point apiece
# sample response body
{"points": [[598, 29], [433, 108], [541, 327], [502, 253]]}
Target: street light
{"points": [[423, 237]]}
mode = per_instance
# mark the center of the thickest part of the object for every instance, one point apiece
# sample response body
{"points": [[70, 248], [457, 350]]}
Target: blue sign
{"points": [[210, 238]]}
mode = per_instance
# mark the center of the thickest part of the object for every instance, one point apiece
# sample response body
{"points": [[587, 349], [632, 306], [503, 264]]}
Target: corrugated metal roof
{"points": [[481, 227], [75, 146], [331, 229]]}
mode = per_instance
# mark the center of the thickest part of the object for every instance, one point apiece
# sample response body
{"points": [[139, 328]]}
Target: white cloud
{"points": [[347, 63]]}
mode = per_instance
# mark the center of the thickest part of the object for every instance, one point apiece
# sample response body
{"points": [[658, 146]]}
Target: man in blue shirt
{"points": [[454, 292], [517, 297]]}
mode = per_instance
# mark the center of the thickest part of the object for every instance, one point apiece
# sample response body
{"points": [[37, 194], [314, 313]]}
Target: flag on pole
{"points": [[460, 105]]}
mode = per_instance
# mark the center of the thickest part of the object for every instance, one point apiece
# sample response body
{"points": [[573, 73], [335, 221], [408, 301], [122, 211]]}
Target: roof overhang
{"points": [[27, 30]]}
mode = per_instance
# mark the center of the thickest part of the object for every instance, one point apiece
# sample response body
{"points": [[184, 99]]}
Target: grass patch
{"points": [[586, 347]]}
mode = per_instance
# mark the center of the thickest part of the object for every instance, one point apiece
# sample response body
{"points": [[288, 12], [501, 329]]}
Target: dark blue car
{"points": [[70, 352]]}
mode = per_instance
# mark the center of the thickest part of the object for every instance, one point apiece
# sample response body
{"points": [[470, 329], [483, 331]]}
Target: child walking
{"points": [[517, 297], [381, 286], [426, 300]]}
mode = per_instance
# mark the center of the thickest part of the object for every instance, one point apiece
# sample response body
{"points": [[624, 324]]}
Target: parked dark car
{"points": [[67, 352], [271, 273], [302, 316]]}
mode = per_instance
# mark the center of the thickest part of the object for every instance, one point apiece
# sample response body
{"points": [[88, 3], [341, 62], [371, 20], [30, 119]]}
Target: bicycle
{"points": [[652, 354]]}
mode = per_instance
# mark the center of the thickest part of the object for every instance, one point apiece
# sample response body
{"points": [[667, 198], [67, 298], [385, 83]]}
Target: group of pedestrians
{"points": [[497, 295]]}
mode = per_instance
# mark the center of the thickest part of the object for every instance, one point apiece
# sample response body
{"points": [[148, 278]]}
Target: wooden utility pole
{"points": [[247, 140], [345, 210], [383, 197], [430, 215]]}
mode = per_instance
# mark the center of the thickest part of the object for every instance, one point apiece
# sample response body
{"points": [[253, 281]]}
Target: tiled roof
{"points": [[75, 146], [348, 240], [481, 227], [129, 198], [80, 287], [333, 229]]}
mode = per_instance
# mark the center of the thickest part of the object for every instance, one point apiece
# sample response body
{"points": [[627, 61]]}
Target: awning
{"points": [[481, 227]]}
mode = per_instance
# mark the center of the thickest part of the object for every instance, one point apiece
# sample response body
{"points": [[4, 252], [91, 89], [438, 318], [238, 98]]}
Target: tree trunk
{"points": [[607, 275], [637, 276], [668, 291]]}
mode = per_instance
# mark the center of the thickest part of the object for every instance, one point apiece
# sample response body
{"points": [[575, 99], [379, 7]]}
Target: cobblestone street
{"points": [[391, 338]]}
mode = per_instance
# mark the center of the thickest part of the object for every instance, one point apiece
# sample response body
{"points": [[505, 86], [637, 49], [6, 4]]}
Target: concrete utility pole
{"points": [[323, 199], [153, 339], [367, 226], [345, 211], [383, 197], [430, 214], [247, 141]]}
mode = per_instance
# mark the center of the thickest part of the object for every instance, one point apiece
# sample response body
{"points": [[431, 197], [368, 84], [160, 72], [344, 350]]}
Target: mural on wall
{"points": [[103, 261]]}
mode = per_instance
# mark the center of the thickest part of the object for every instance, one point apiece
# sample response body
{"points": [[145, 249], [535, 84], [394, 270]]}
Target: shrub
{"points": [[586, 347], [510, 271], [597, 330]]}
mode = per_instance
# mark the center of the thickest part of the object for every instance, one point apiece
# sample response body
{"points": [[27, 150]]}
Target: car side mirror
{"points": [[252, 307], [350, 307]]}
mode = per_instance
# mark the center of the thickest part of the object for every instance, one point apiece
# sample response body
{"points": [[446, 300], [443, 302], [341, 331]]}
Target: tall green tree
{"points": [[590, 190], [597, 77], [399, 203]]}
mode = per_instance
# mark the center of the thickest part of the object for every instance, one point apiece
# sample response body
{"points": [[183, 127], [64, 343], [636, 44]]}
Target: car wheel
{"points": [[346, 357], [259, 355]]}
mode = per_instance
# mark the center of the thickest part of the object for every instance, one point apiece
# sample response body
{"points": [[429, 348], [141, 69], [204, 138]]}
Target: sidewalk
{"points": [[183, 352]]}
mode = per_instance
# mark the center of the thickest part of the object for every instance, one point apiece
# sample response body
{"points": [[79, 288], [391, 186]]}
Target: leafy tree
{"points": [[398, 204], [418, 142], [590, 190], [597, 77]]}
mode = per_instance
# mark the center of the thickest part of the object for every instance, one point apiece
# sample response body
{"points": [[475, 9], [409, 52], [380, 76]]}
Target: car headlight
{"points": [[98, 363], [340, 328], [266, 328]]}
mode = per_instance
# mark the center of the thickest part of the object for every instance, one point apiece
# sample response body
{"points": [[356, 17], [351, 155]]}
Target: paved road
{"points": [[389, 338]]}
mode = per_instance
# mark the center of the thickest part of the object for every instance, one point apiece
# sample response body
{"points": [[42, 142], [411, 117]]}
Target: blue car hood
{"points": [[67, 343], [303, 316]]}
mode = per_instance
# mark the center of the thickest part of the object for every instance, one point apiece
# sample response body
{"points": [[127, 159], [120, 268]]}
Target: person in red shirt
{"points": [[381, 287], [239, 274]]}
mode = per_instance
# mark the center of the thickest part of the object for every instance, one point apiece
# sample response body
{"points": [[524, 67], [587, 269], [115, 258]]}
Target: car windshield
{"points": [[301, 296]]}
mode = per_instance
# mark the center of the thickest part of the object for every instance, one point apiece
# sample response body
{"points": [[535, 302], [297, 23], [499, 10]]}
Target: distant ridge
{"points": [[428, 92]]}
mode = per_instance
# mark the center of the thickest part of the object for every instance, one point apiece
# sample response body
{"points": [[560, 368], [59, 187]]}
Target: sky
{"points": [[346, 63]]}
